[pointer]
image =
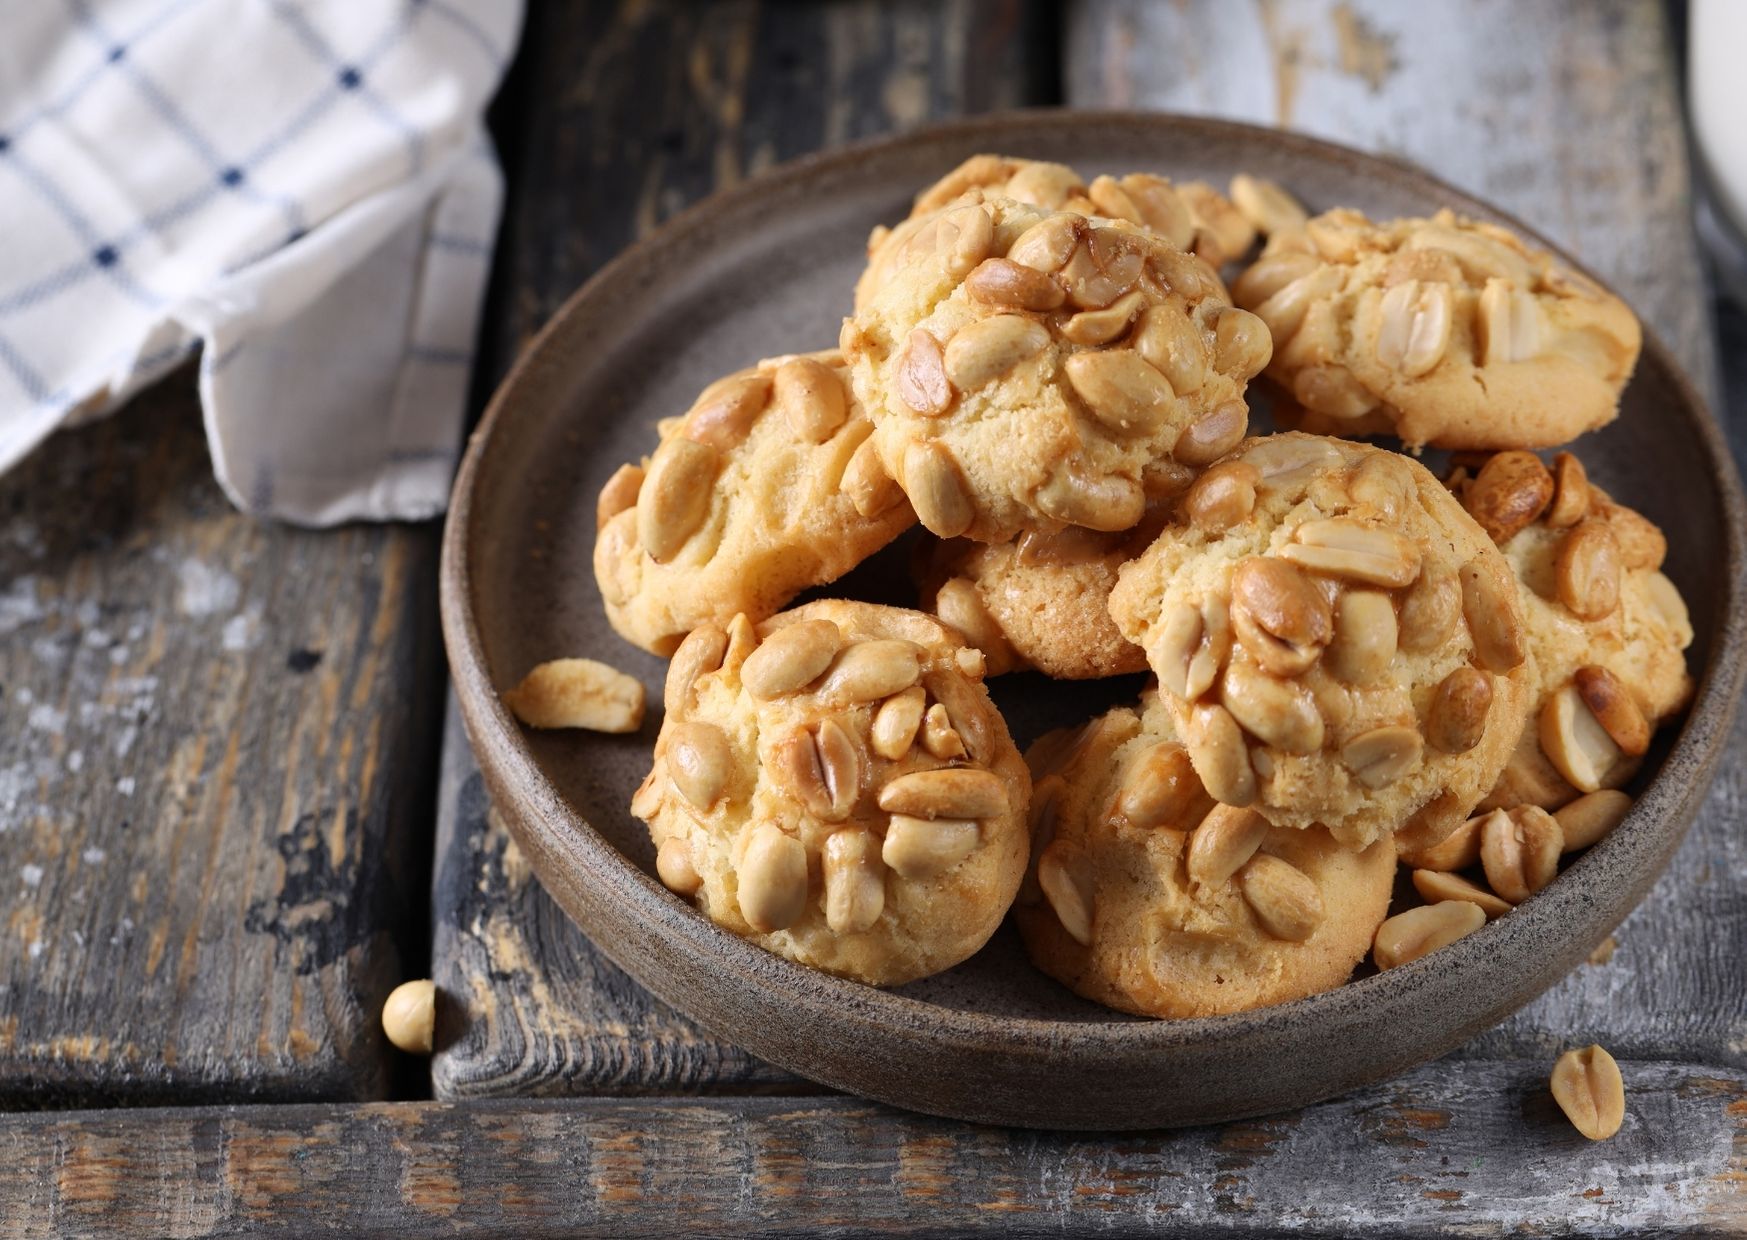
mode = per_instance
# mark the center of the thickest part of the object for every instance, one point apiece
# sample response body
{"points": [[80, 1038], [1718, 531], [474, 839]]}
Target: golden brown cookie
{"points": [[1338, 642], [767, 486], [1443, 331], [1191, 216], [1147, 896], [1032, 371], [1607, 629], [1039, 600], [836, 786]]}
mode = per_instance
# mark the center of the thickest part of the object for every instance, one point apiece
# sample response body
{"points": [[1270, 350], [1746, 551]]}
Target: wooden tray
{"points": [[767, 268]]}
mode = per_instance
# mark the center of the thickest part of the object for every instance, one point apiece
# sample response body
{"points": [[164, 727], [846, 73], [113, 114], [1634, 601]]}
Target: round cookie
{"points": [[1040, 600], [767, 486], [1191, 216], [1442, 331], [1148, 897], [1034, 371], [1338, 642], [835, 785], [1607, 629]]}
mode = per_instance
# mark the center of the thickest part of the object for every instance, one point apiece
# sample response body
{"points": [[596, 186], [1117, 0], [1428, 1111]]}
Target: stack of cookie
{"points": [[1356, 664]]}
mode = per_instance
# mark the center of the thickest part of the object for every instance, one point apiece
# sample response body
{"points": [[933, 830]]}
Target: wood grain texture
{"points": [[1568, 115], [630, 113], [1470, 1149], [213, 733]]}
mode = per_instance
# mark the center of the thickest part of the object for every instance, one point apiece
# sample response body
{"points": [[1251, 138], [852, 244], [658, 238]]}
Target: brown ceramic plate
{"points": [[767, 268]]}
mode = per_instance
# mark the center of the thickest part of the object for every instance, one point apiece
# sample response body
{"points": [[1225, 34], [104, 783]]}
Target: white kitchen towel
{"points": [[302, 190]]}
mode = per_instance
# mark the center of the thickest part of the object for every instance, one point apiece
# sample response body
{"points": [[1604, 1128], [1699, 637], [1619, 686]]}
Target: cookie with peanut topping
{"points": [[1607, 629], [1191, 215], [1445, 332], [1338, 642], [1147, 896], [1035, 371], [835, 785], [1039, 600], [769, 484]]}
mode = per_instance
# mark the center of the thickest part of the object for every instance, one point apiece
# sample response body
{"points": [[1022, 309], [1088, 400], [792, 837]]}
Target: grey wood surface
{"points": [[215, 737], [715, 92], [1568, 115], [1467, 1149]]}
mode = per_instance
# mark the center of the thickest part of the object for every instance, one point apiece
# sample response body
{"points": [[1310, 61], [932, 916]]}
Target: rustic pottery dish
{"points": [[767, 268]]}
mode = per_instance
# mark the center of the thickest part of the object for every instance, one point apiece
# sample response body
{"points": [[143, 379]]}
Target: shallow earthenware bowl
{"points": [[767, 268]]}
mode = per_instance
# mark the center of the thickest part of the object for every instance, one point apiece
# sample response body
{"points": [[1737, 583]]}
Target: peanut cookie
{"points": [[1039, 600], [835, 785], [1443, 331], [1338, 642], [1607, 629], [1147, 896], [767, 486], [1191, 216], [1035, 371]]}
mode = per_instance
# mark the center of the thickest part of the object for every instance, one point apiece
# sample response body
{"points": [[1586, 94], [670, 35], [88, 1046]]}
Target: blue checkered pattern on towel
{"points": [[300, 190]]}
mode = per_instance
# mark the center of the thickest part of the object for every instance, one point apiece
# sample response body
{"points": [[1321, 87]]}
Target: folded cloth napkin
{"points": [[301, 189]]}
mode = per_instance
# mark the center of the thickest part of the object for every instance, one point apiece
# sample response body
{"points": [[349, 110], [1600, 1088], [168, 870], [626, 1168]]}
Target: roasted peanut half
{"points": [[1420, 931], [772, 878], [1457, 718], [1591, 816], [1509, 494], [1588, 1087], [1284, 898], [409, 1016], [1520, 850], [1614, 708], [1226, 839], [1570, 492], [1068, 892], [855, 881], [673, 864], [1586, 572], [1159, 788], [924, 848], [1436, 885], [1456, 851], [1279, 615], [1575, 742], [1223, 497], [791, 658], [577, 693]]}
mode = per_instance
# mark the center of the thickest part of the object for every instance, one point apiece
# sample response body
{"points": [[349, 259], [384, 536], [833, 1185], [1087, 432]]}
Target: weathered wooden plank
{"points": [[635, 111], [1567, 114], [215, 738], [1463, 1149]]}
